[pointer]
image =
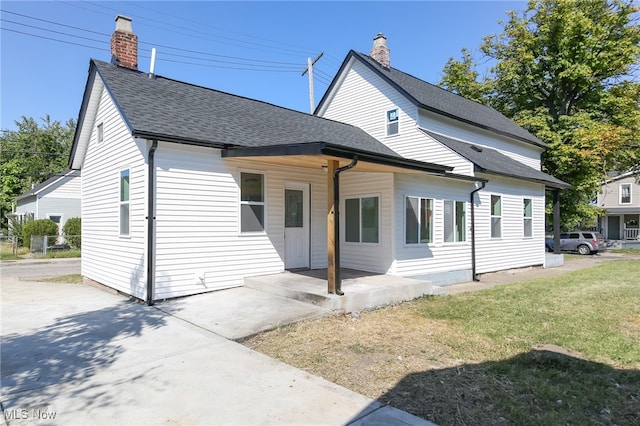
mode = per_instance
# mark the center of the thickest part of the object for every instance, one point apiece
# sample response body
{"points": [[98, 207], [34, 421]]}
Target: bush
{"points": [[38, 227], [73, 230]]}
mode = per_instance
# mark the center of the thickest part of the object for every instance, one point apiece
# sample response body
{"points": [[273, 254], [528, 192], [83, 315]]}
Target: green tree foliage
{"points": [[39, 227], [73, 230], [31, 155], [567, 70]]}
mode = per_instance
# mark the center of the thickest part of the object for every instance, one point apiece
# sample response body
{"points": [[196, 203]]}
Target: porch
{"points": [[362, 290]]}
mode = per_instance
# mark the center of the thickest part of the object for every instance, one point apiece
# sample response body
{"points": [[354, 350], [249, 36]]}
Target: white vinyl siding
{"points": [[512, 250], [373, 257], [198, 244], [437, 256], [117, 262], [518, 150]]}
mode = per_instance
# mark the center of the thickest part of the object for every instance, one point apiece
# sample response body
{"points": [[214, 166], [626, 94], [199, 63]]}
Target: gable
{"points": [[435, 99]]}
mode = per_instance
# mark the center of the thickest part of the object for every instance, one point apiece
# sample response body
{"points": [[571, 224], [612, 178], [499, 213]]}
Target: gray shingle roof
{"points": [[441, 101], [488, 160], [172, 110]]}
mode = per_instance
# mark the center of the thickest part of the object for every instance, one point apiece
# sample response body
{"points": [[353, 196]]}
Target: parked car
{"points": [[584, 242]]}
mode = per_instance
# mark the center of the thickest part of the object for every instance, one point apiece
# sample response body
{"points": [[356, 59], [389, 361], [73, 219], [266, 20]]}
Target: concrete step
{"points": [[361, 292]]}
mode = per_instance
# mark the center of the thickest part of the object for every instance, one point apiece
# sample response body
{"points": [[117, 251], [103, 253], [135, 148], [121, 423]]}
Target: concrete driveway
{"points": [[74, 354]]}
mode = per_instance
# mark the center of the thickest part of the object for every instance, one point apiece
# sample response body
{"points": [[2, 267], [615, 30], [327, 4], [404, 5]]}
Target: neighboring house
{"points": [[57, 198], [620, 197], [187, 189]]}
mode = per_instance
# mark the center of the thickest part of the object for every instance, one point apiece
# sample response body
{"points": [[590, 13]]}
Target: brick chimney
{"points": [[124, 44], [380, 52]]}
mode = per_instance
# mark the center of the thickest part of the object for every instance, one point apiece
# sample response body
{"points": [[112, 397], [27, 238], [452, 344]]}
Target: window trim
{"points": [[343, 236], [122, 202], [430, 225], [455, 221], [620, 194], [498, 216], [390, 122], [525, 217], [100, 133], [263, 203]]}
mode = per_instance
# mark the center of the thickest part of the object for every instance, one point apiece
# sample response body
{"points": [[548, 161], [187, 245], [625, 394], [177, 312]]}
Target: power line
{"points": [[248, 62]]}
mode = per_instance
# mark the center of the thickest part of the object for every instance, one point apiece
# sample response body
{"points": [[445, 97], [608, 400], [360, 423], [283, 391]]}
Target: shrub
{"points": [[73, 230], [38, 227], [16, 226]]}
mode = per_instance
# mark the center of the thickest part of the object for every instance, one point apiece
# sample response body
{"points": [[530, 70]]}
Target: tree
{"points": [[31, 155], [566, 70]]}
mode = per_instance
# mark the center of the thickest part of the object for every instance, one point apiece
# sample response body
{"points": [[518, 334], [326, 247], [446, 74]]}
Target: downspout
{"points": [[473, 231], [151, 222], [336, 221]]}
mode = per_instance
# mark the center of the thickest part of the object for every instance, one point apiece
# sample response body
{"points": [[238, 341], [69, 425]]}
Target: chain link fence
{"points": [[43, 244]]}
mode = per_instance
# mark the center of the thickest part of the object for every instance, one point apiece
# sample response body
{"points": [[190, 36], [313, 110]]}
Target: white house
{"points": [[57, 198], [426, 123], [188, 189], [620, 197]]}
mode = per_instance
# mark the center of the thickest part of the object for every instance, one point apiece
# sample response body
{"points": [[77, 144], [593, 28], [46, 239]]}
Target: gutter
{"points": [[474, 275], [336, 220], [151, 222]]}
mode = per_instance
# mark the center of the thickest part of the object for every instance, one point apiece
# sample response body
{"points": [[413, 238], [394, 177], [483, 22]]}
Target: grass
{"points": [[63, 279], [626, 250], [6, 252], [561, 350], [59, 254]]}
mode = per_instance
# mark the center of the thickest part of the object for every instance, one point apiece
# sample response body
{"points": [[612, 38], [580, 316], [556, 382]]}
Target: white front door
{"points": [[296, 225]]}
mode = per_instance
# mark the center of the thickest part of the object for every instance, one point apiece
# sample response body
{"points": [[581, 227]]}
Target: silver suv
{"points": [[584, 242]]}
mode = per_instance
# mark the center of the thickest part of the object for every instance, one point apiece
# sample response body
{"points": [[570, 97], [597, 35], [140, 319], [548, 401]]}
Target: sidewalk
{"points": [[507, 277], [76, 355]]}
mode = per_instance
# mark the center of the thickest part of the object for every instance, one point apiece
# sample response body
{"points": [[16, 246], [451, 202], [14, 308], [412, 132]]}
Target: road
{"points": [[33, 269]]}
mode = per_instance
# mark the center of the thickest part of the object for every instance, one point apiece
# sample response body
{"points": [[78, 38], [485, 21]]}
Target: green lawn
{"points": [[563, 350]]}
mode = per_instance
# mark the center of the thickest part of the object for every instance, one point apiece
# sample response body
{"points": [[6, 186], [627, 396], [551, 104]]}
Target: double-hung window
{"points": [[125, 207], [625, 193], [361, 219], [455, 221], [418, 220], [527, 217], [393, 122], [496, 216], [252, 204]]}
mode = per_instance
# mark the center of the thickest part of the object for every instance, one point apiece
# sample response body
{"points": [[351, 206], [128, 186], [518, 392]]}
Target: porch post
{"points": [[332, 165], [556, 221]]}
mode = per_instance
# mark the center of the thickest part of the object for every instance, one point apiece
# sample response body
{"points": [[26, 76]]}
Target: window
{"points": [[625, 193], [528, 217], [392, 122], [361, 220], [496, 216], [252, 203], [125, 210], [455, 224], [419, 220], [100, 133]]}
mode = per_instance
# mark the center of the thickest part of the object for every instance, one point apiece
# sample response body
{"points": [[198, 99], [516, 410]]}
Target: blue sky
{"points": [[252, 49]]}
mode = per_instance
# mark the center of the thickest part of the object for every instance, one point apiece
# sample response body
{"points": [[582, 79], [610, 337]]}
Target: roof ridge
{"points": [[436, 86], [198, 86]]}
